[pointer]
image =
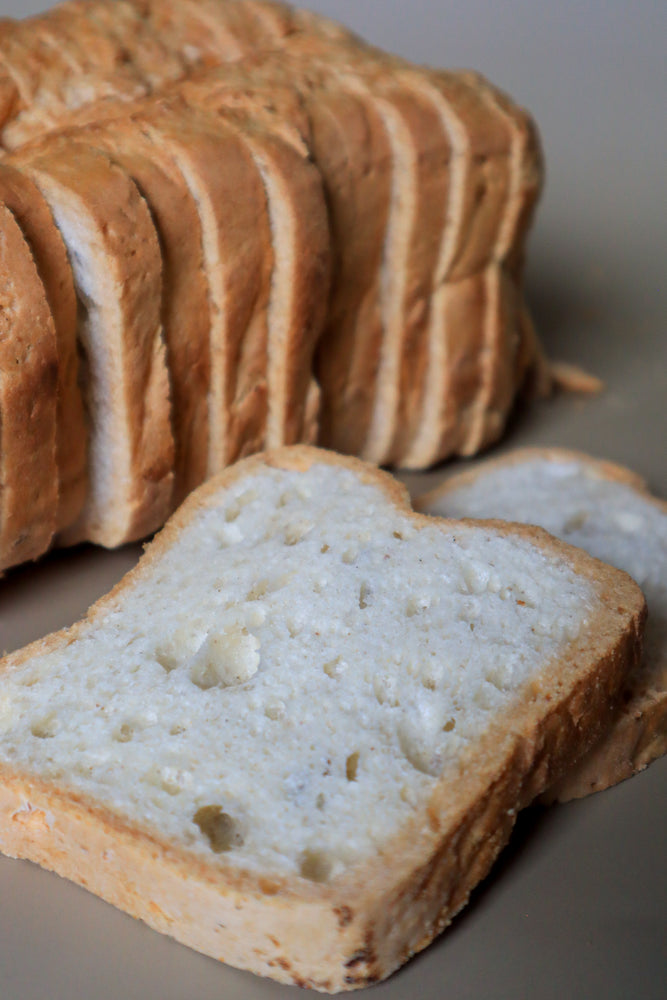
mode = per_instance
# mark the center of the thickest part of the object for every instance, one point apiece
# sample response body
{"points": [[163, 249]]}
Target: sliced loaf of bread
{"points": [[298, 733], [608, 511]]}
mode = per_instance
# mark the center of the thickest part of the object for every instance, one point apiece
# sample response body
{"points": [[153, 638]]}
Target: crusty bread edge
{"points": [[638, 734], [360, 927]]}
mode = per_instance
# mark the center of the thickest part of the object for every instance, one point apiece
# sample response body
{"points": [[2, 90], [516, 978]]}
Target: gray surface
{"points": [[577, 905]]}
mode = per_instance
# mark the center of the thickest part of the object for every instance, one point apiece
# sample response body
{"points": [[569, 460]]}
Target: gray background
{"points": [[577, 904]]}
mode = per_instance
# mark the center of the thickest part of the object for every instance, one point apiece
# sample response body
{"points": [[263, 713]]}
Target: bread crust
{"points": [[359, 927], [462, 313], [28, 401], [638, 733], [185, 300], [135, 441], [27, 205]]}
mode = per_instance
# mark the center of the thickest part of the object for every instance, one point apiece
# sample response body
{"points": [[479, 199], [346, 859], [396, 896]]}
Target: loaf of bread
{"points": [[608, 511], [329, 247], [298, 733]]}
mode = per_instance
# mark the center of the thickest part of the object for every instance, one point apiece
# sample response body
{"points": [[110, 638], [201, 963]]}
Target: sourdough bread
{"points": [[608, 511], [297, 735]]}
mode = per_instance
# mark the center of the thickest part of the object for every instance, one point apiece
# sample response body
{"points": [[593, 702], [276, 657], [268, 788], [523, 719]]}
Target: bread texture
{"points": [[607, 510], [115, 257], [24, 200], [297, 734], [28, 401]]}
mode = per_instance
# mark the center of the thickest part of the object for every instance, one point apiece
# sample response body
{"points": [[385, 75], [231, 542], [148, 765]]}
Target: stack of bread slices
{"points": [[233, 225]]}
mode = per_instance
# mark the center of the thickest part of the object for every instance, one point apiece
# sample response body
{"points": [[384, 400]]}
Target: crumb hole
{"points": [[45, 728], [315, 865], [219, 828], [167, 660], [365, 595], [351, 766]]}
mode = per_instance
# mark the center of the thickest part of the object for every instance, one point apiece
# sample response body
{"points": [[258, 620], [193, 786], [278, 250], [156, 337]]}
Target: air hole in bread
{"points": [[220, 829], [167, 659], [416, 604], [315, 865], [365, 595], [45, 728], [225, 659], [576, 522], [334, 668], [350, 554], [275, 709], [296, 533], [124, 733]]}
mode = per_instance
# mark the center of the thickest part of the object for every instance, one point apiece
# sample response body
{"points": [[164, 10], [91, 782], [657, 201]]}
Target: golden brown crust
{"points": [[135, 499], [239, 258], [28, 401], [23, 198], [638, 733], [358, 928]]}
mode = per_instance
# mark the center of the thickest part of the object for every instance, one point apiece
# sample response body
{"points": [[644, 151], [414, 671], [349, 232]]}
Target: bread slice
{"points": [[323, 714], [504, 328], [115, 257], [462, 314], [301, 240], [323, 119], [26, 203], [608, 511], [28, 401], [238, 259], [186, 306], [353, 153]]}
